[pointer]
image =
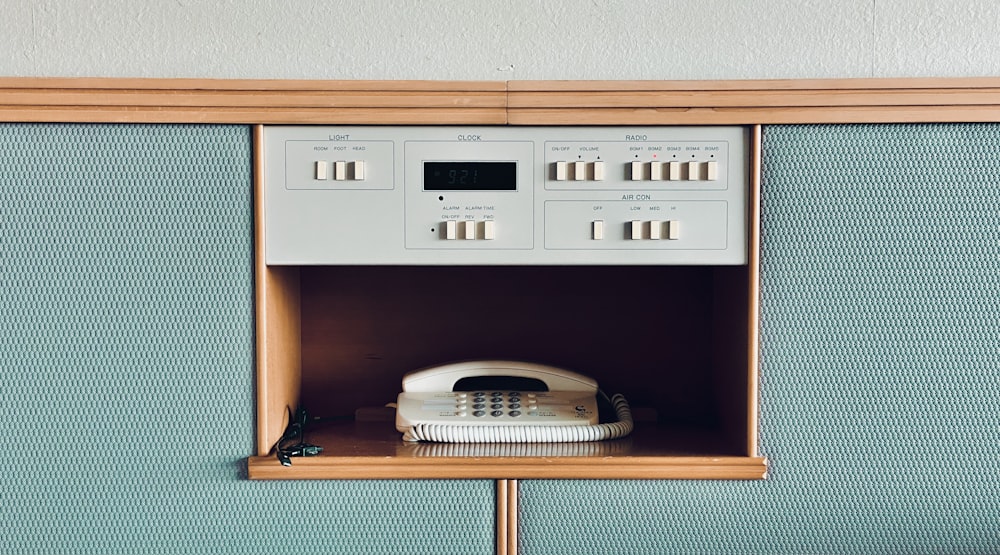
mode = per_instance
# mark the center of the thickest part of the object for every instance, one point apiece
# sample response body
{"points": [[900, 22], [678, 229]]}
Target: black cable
{"points": [[295, 430]]}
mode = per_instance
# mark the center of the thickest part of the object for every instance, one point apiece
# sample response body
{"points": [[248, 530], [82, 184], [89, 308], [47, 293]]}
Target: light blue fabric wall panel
{"points": [[880, 371], [126, 348]]}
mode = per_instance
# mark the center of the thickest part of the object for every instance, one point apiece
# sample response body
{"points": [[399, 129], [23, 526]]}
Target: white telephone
{"points": [[497, 401]]}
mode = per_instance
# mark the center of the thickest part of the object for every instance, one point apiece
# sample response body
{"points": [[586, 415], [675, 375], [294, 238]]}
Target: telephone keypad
{"points": [[513, 403]]}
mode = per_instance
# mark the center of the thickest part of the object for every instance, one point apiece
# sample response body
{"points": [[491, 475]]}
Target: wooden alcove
{"points": [[678, 341]]}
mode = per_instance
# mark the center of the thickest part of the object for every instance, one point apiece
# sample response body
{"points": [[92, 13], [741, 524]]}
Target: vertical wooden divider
{"points": [[753, 261], [278, 333], [506, 522]]}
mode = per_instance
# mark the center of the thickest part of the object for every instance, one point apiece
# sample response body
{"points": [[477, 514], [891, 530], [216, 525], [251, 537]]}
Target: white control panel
{"points": [[505, 195]]}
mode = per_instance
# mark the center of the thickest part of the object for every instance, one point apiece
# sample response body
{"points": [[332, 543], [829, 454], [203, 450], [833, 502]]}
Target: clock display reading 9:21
{"points": [[470, 176]]}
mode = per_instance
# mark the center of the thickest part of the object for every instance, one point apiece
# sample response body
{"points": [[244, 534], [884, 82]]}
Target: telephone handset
{"points": [[495, 401]]}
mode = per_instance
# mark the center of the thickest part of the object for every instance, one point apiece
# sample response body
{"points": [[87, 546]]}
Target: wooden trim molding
{"points": [[112, 100], [753, 102], [250, 101]]}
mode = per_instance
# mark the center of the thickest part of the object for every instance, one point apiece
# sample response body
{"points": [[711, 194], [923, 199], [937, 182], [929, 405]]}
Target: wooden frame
{"points": [[358, 451]]}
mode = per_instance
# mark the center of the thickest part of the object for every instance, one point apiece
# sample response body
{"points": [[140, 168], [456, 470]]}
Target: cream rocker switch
{"points": [[598, 170], [321, 173], [635, 171], [673, 171], [712, 170], [597, 230], [339, 171], [635, 230], [694, 171], [655, 228], [673, 230], [561, 171], [656, 171]]}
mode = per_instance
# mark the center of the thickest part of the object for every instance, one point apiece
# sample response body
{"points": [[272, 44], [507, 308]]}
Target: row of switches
{"points": [[655, 229], [674, 171], [470, 230], [342, 171], [579, 171], [638, 230], [639, 171]]}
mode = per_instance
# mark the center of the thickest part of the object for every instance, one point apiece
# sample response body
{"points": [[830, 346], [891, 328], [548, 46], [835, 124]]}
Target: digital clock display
{"points": [[470, 176]]}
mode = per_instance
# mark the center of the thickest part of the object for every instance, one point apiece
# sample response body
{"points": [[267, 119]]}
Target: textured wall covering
{"points": [[126, 364], [514, 39], [880, 393]]}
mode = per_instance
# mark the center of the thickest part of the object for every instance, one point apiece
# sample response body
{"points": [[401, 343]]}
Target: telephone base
{"points": [[540, 433]]}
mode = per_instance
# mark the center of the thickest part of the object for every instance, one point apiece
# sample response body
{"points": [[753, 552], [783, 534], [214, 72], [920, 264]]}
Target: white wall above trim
{"points": [[508, 40]]}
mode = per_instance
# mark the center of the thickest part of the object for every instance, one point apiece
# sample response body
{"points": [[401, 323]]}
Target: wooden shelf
{"points": [[374, 450], [348, 355]]}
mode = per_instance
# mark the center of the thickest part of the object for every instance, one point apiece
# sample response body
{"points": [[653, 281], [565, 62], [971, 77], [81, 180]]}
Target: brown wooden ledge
{"points": [[754, 102], [115, 100], [250, 101]]}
